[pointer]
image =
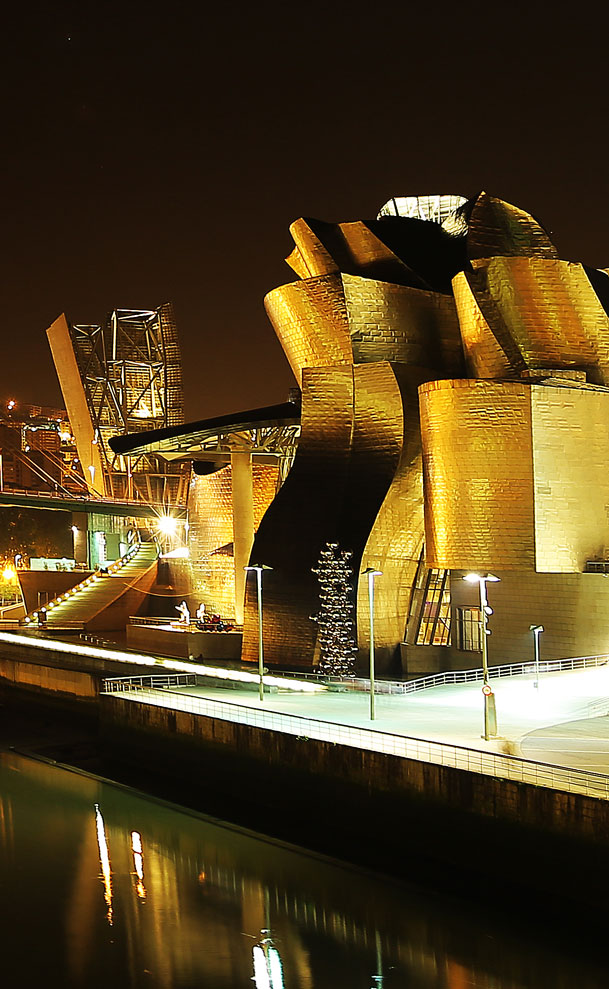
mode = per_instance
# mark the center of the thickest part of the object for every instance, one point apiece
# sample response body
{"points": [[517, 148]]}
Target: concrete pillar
{"points": [[80, 531], [243, 521]]}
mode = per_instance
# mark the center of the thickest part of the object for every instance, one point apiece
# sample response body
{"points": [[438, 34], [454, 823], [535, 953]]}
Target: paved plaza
{"points": [[563, 721]]}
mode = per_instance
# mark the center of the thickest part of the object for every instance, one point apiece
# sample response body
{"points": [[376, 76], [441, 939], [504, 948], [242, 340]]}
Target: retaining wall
{"points": [[414, 819]]}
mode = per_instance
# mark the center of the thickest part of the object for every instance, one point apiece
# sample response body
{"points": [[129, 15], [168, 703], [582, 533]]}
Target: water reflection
{"points": [[118, 891], [138, 863], [104, 860]]}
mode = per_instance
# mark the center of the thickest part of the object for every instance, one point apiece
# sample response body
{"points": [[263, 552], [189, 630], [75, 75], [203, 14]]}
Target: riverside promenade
{"points": [[546, 725], [308, 765]]}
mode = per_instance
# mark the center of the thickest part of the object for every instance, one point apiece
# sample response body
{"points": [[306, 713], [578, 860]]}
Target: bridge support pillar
{"points": [[80, 536]]}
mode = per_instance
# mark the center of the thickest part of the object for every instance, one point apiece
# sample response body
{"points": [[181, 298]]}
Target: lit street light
{"points": [[259, 567], [490, 714], [536, 630], [371, 573]]}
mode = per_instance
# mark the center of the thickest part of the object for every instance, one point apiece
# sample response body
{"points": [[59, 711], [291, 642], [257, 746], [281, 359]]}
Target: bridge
{"points": [[60, 502]]}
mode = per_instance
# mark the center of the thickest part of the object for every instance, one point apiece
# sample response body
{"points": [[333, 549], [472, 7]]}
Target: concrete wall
{"points": [[44, 679], [411, 818]]}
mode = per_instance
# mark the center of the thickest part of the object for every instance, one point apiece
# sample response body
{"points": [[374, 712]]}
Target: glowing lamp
{"points": [[167, 525]]}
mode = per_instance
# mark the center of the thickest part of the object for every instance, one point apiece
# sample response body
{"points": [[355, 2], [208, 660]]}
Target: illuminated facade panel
{"points": [[310, 319], [498, 229], [505, 465], [211, 533], [545, 312], [478, 475], [570, 438]]}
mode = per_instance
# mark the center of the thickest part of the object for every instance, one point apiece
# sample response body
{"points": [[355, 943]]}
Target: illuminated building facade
{"points": [[454, 374], [455, 411], [122, 376]]}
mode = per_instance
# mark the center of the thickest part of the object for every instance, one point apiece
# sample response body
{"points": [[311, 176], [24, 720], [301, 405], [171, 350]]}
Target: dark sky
{"points": [[159, 153]]}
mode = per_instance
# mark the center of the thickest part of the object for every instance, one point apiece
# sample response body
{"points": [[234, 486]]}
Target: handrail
{"points": [[468, 676], [422, 750]]}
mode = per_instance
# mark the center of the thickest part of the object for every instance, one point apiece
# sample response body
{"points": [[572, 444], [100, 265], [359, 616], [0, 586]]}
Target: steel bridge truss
{"points": [[131, 374]]}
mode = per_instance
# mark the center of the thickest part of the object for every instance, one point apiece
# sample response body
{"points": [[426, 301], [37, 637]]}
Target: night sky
{"points": [[159, 153]]}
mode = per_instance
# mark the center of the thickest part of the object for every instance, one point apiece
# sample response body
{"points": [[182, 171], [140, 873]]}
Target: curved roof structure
{"points": [[273, 430]]}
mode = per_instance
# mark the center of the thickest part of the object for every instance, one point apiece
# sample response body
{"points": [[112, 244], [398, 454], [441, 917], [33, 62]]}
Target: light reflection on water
{"points": [[103, 887]]}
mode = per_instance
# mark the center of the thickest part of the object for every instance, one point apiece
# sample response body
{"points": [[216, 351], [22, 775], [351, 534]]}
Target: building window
{"points": [[433, 624], [469, 633]]}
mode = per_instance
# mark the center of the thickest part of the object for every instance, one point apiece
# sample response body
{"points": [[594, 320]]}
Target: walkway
{"points": [[453, 714], [441, 725]]}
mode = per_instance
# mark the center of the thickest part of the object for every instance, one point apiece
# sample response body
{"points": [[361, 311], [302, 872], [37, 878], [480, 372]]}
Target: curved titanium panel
{"points": [[498, 228], [550, 311], [210, 536], [305, 514], [310, 258], [350, 449], [370, 257], [478, 475], [324, 248], [310, 320], [395, 541], [390, 322], [484, 355]]}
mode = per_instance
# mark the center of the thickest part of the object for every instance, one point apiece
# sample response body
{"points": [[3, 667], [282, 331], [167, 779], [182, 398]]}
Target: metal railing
{"points": [[470, 676], [440, 753], [160, 681]]}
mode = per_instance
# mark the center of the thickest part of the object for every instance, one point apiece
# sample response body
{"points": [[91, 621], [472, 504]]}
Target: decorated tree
{"points": [[335, 618]]}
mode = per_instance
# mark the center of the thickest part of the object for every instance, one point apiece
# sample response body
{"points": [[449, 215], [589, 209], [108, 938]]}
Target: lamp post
{"points": [[259, 567], [536, 630], [371, 573], [490, 715]]}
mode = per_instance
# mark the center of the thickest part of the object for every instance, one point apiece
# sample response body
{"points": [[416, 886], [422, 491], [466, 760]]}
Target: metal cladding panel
{"points": [[498, 228], [210, 534], [356, 481], [397, 323], [310, 320], [211, 529], [478, 475], [306, 513], [369, 256], [573, 609], [310, 257], [570, 456], [484, 355], [549, 310], [388, 397]]}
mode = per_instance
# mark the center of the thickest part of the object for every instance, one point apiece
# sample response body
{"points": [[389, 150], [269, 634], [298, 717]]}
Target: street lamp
{"points": [[371, 573], [490, 715], [259, 567], [536, 630]]}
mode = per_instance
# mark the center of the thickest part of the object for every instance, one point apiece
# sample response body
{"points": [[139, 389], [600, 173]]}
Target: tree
{"points": [[335, 621]]}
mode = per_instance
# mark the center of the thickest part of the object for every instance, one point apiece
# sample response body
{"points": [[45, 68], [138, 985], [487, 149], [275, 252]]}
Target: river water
{"points": [[101, 886]]}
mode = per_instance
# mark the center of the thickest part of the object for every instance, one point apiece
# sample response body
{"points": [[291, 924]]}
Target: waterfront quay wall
{"points": [[412, 819]]}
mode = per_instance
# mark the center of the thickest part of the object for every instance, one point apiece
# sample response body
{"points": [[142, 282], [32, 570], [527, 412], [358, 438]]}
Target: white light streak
{"points": [[139, 659]]}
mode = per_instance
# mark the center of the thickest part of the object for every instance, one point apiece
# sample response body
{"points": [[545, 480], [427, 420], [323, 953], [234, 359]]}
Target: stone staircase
{"points": [[104, 600]]}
